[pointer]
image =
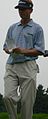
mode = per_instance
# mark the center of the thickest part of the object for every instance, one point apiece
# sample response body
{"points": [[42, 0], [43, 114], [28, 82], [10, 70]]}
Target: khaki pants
{"points": [[24, 75]]}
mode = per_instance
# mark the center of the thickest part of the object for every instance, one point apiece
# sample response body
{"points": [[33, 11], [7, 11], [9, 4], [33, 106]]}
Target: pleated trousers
{"points": [[22, 75]]}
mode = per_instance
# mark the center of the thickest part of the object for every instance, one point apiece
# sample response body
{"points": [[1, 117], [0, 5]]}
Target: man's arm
{"points": [[31, 52], [27, 52]]}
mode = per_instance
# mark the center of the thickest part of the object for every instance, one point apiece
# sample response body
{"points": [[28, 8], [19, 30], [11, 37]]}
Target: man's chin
{"points": [[23, 17]]}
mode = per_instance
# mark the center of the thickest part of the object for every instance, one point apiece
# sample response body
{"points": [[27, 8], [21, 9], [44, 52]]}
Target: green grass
{"points": [[40, 116], [35, 116], [3, 115]]}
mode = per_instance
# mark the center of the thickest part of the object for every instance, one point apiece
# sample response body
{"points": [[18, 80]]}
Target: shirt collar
{"points": [[30, 23]]}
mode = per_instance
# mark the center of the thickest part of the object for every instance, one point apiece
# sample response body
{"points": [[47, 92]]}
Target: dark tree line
{"points": [[41, 102], [2, 106]]}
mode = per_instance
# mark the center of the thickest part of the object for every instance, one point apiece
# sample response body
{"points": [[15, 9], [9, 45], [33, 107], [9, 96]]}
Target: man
{"points": [[24, 42]]}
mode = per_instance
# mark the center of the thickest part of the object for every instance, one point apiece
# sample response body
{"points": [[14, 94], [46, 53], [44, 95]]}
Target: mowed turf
{"points": [[35, 116], [40, 116], [3, 115]]}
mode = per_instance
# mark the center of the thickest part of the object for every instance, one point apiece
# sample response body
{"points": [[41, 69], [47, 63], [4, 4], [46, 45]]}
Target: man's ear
{"points": [[31, 10]]}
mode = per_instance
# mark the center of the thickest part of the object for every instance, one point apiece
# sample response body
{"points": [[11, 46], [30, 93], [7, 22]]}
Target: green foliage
{"points": [[2, 106], [41, 102]]}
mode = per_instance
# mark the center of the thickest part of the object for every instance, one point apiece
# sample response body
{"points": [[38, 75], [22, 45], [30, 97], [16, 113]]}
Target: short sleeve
{"points": [[39, 43], [9, 40]]}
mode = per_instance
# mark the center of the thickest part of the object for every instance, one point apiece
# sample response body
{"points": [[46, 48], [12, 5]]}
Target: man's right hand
{"points": [[7, 50]]}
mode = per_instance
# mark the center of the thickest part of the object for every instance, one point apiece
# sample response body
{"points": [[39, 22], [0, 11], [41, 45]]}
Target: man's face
{"points": [[24, 13]]}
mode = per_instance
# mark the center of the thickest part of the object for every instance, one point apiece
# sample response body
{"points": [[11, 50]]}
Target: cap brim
{"points": [[16, 7], [21, 6]]}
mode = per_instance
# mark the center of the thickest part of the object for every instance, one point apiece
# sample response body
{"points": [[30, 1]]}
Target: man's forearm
{"points": [[25, 51], [31, 52]]}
